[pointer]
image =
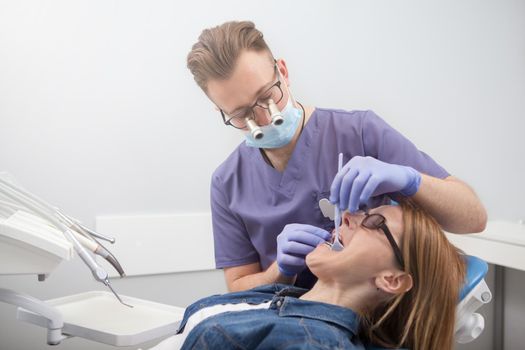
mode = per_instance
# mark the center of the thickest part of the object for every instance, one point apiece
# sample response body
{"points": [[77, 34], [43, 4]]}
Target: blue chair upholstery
{"points": [[476, 271]]}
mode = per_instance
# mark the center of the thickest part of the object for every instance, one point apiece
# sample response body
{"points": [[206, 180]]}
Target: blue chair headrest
{"points": [[476, 271]]}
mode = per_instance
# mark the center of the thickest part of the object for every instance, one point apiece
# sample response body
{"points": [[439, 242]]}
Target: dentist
{"points": [[275, 179]]}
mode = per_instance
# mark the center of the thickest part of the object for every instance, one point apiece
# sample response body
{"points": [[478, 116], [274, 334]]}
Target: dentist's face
{"points": [[253, 75], [366, 252]]}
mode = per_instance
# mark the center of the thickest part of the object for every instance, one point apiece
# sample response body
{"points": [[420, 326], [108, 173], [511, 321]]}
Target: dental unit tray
{"points": [[98, 316], [35, 237]]}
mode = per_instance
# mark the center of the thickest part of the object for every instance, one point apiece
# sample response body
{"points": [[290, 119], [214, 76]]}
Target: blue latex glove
{"points": [[365, 177], [294, 243]]}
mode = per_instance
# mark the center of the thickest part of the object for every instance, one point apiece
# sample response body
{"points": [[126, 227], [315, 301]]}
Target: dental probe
{"points": [[337, 246], [106, 282]]}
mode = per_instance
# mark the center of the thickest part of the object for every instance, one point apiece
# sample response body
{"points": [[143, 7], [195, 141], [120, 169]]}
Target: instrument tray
{"points": [[99, 316]]}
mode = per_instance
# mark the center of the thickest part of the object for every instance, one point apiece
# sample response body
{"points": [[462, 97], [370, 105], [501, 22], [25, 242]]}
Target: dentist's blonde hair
{"points": [[216, 52], [422, 318]]}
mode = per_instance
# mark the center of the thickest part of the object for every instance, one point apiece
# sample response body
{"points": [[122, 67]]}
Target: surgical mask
{"points": [[281, 135]]}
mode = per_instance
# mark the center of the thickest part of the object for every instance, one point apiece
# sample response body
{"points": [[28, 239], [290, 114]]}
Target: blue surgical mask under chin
{"points": [[281, 135]]}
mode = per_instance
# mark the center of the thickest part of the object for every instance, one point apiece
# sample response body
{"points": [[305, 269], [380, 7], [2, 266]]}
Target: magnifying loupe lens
{"points": [[255, 130], [277, 118]]}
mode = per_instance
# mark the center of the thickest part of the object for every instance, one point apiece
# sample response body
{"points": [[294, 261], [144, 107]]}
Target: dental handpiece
{"points": [[91, 242], [98, 249]]}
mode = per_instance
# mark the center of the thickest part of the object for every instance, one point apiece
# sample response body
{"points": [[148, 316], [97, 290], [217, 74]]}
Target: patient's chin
{"points": [[317, 257]]}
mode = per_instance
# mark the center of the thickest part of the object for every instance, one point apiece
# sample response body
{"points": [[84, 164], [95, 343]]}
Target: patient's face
{"points": [[366, 252]]}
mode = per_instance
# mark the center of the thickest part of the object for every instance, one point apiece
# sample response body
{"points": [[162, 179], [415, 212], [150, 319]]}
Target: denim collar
{"points": [[292, 306]]}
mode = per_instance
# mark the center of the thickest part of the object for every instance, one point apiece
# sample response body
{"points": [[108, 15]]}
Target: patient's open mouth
{"points": [[332, 239]]}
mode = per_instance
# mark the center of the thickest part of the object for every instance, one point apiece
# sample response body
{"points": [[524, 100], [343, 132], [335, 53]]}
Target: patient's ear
{"points": [[394, 282]]}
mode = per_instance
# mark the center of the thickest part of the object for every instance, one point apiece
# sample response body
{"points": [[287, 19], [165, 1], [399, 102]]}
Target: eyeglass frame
{"points": [[256, 104], [382, 225]]}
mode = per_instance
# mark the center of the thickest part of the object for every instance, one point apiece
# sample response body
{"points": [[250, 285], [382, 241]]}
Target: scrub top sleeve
{"points": [[231, 242], [383, 142]]}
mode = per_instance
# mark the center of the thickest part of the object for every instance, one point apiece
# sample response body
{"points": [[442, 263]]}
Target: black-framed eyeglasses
{"points": [[238, 119], [377, 221]]}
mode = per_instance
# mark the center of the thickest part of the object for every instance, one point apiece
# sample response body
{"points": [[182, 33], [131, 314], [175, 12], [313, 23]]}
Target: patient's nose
{"points": [[348, 220], [352, 220]]}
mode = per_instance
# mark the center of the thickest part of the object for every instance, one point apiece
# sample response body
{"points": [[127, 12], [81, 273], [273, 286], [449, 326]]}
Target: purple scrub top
{"points": [[251, 202]]}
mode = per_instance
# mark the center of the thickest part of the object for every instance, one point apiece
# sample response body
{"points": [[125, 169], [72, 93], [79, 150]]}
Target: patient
{"points": [[395, 284]]}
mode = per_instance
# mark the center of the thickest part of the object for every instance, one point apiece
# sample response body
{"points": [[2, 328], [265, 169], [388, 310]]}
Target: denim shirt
{"points": [[289, 323]]}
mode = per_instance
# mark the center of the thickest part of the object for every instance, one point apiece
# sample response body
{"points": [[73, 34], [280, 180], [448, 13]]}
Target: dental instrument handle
{"points": [[89, 244], [98, 272], [86, 229], [75, 224], [97, 235], [337, 246]]}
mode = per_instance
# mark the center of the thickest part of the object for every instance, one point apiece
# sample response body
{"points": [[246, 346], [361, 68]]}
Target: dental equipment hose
{"points": [[41, 208]]}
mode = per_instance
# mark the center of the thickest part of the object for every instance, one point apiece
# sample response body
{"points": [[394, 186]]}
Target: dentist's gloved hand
{"points": [[294, 243], [365, 177]]}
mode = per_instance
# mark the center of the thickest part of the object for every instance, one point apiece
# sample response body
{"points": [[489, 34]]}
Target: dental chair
{"points": [[475, 293]]}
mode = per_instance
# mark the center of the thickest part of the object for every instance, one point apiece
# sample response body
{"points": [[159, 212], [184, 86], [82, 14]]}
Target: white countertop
{"points": [[502, 243]]}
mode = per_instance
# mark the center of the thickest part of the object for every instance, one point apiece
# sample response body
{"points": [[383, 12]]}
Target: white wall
{"points": [[99, 115]]}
